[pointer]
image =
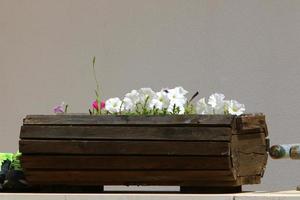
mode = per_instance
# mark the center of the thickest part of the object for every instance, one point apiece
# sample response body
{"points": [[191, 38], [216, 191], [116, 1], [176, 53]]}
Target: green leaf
{"points": [[16, 163], [5, 156]]}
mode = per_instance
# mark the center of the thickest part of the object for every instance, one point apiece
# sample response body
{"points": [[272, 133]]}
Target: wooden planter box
{"points": [[203, 152]]}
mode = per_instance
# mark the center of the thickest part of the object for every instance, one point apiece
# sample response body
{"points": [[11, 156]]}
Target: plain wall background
{"points": [[249, 50]]}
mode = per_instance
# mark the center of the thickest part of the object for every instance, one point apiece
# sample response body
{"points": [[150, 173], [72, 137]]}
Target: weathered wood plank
{"points": [[123, 147], [116, 177], [249, 143], [249, 154], [126, 133], [254, 164], [187, 120], [249, 180], [184, 150], [63, 162], [252, 123], [67, 189], [200, 183]]}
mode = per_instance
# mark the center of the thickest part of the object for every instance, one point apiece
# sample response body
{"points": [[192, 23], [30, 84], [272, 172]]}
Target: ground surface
{"points": [[281, 195]]}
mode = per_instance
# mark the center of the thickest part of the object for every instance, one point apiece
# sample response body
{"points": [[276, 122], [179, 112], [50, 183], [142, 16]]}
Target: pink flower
{"points": [[102, 104], [59, 109], [96, 105]]}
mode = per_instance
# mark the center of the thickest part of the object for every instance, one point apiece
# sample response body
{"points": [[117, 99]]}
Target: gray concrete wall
{"points": [[248, 50]]}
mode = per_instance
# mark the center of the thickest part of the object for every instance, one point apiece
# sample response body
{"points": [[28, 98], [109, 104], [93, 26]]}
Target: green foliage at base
{"points": [[13, 157]]}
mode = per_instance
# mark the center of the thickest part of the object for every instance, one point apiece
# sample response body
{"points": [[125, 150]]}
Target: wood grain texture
{"points": [[117, 177], [126, 133], [123, 147], [249, 154], [65, 162], [50, 178], [184, 150], [249, 180], [67, 189], [200, 183], [187, 120], [252, 123]]}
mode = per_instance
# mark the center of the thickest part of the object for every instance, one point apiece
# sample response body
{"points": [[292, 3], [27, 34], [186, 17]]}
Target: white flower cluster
{"points": [[146, 101], [170, 101], [218, 105]]}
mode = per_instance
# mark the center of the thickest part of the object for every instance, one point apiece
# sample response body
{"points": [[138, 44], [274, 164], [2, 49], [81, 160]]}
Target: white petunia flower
{"points": [[134, 96], [177, 97], [180, 90], [177, 94], [216, 99], [155, 103], [130, 100], [217, 102], [146, 93], [128, 104], [235, 108], [160, 100], [178, 104], [203, 108], [113, 105]]}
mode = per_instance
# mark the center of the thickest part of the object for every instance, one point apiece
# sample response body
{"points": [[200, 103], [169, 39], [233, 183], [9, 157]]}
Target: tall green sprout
{"points": [[97, 91]]}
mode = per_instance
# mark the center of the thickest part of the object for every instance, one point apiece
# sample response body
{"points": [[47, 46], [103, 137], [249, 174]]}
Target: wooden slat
{"points": [[200, 183], [123, 147], [60, 178], [248, 180], [250, 143], [55, 162], [117, 177], [188, 120], [252, 123], [256, 167], [249, 154], [44, 178], [126, 133]]}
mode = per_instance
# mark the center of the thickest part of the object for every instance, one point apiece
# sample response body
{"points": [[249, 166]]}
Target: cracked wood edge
{"points": [[249, 146], [251, 123]]}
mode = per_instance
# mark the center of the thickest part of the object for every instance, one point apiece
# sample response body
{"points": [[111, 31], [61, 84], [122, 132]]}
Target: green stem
{"points": [[96, 80], [145, 104], [120, 110], [192, 98], [66, 108], [174, 109]]}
